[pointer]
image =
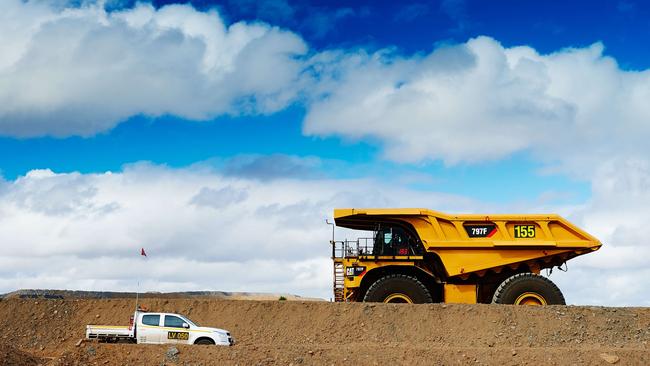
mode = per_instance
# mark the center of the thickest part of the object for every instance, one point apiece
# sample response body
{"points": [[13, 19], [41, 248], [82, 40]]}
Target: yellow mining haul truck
{"points": [[420, 255]]}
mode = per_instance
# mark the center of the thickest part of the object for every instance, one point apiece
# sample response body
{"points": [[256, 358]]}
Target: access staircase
{"points": [[339, 278]]}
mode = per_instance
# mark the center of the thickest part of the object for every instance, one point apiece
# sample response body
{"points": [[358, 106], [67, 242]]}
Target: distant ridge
{"points": [[70, 294]]}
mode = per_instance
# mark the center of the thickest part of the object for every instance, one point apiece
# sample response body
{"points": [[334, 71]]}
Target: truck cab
{"points": [[160, 328], [395, 240]]}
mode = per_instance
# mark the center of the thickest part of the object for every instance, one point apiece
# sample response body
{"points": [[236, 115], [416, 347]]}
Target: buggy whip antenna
{"points": [[137, 292]]}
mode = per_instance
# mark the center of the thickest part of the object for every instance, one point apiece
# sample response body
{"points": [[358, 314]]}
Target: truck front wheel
{"points": [[528, 289], [398, 288], [204, 341]]}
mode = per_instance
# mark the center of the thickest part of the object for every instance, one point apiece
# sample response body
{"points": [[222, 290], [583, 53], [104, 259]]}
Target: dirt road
{"points": [[296, 332]]}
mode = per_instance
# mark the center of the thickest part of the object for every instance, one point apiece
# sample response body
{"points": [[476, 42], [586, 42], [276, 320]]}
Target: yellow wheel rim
{"points": [[530, 298], [398, 298]]}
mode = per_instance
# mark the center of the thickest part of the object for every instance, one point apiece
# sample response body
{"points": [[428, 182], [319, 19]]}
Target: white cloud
{"points": [[575, 110], [80, 71], [206, 230], [480, 101], [200, 228], [617, 213]]}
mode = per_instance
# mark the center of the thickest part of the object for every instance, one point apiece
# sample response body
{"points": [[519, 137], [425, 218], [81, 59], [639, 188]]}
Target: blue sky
{"points": [[178, 143], [411, 28], [200, 112], [417, 26]]}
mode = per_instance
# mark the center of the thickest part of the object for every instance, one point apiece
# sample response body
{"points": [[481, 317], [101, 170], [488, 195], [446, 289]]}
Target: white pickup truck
{"points": [[159, 328]]}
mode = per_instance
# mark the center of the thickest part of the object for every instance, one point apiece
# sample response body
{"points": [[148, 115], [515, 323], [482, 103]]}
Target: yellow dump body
{"points": [[467, 248]]}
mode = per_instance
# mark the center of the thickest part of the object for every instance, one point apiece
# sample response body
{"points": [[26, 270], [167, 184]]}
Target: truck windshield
{"points": [[394, 240]]}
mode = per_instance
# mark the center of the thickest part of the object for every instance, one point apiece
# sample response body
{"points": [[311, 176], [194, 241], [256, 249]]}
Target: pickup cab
{"points": [[159, 328]]}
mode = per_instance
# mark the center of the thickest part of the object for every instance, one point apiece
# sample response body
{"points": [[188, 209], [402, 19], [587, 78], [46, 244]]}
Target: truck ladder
{"points": [[339, 278]]}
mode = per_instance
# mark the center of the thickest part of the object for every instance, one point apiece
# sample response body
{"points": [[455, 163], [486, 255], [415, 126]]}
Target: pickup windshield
{"points": [[188, 321]]}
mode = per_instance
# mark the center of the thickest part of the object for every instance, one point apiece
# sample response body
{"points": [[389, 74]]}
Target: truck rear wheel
{"points": [[398, 288], [528, 289]]}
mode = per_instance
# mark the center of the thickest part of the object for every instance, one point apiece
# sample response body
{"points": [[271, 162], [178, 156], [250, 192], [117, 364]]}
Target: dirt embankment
{"points": [[283, 333]]}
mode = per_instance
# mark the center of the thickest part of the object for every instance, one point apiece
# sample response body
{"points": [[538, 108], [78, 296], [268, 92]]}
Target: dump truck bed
{"points": [[475, 243]]}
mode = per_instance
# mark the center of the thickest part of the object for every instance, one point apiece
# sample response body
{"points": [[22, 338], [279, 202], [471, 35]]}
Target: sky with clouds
{"points": [[220, 135]]}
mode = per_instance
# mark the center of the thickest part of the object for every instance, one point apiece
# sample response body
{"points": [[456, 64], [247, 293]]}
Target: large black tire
{"points": [[398, 288], [528, 288], [204, 341]]}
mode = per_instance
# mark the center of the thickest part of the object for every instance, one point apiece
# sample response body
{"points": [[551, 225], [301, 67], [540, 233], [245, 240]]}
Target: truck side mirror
{"points": [[186, 326]]}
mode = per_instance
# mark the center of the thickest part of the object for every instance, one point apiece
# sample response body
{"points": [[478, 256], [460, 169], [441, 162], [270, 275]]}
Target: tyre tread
{"points": [[499, 293], [382, 280], [204, 341]]}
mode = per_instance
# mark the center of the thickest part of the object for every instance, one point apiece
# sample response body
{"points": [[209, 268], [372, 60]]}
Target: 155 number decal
{"points": [[524, 231]]}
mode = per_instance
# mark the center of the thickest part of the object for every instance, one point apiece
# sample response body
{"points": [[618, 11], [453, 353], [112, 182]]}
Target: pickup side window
{"points": [[151, 320], [173, 321]]}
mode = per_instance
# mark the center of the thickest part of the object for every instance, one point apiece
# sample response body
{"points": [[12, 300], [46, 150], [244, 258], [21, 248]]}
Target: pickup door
{"points": [[174, 330], [149, 329]]}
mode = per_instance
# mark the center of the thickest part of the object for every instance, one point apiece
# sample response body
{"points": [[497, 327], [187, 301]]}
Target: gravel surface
{"points": [[47, 332]]}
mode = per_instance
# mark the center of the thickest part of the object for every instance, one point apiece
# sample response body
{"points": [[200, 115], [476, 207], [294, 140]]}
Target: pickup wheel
{"points": [[398, 288], [528, 289], [204, 341]]}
